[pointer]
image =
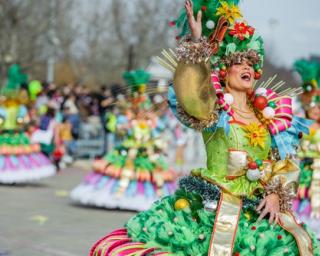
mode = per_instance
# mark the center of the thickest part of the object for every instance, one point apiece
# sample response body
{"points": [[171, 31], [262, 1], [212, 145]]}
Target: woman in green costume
{"points": [[21, 161], [307, 203], [240, 204]]}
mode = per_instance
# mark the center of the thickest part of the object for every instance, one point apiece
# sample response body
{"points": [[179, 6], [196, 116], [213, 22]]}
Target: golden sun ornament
{"points": [[231, 12], [256, 134]]}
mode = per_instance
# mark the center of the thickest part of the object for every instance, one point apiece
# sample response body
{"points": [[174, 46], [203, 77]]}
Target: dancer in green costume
{"points": [[135, 173], [307, 203], [241, 203], [20, 160]]}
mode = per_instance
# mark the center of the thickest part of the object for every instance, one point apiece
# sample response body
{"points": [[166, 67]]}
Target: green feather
{"points": [[308, 70]]}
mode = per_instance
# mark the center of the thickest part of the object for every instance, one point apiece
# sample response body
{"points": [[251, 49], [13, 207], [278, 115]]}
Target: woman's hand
{"points": [[195, 25], [270, 204]]}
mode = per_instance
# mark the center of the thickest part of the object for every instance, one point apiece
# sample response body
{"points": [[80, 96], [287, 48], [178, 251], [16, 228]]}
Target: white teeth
{"points": [[246, 76]]}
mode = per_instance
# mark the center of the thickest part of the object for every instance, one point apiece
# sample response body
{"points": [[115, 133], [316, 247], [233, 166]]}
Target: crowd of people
{"points": [[58, 113]]}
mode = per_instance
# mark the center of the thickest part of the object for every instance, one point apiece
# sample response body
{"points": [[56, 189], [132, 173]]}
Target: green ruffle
{"points": [[182, 234], [119, 157], [305, 175], [14, 139]]}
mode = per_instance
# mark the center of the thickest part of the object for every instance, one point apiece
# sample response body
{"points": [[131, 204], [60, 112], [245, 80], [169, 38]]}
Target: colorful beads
{"points": [[222, 101], [201, 237], [268, 113], [259, 162], [253, 174], [272, 104], [181, 204], [252, 165], [260, 102]]}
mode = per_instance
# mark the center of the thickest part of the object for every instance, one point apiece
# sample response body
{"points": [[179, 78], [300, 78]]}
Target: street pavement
{"points": [[39, 219]]}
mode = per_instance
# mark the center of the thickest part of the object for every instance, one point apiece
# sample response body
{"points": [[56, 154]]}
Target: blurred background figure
{"points": [[106, 103], [307, 203], [136, 172]]}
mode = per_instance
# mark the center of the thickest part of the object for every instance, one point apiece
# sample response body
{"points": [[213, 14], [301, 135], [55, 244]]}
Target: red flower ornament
{"points": [[241, 31]]}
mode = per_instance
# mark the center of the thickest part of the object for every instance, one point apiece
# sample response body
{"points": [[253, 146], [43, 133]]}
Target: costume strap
{"points": [[225, 225]]}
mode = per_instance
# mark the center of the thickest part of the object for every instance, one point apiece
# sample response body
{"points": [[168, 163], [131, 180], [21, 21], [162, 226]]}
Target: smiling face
{"points": [[240, 76], [313, 113]]}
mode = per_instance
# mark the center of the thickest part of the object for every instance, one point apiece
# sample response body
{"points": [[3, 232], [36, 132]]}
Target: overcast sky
{"points": [[290, 28]]}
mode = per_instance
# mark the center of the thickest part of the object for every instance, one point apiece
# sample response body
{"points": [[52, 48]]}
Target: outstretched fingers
{"points": [[189, 8], [261, 205], [199, 16]]}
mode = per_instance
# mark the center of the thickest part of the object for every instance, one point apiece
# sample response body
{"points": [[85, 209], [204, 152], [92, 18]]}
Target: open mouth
{"points": [[246, 77]]}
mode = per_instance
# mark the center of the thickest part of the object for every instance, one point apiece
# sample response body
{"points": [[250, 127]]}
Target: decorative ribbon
{"points": [[288, 222], [118, 243], [215, 81], [218, 34], [315, 189], [286, 169], [283, 112], [225, 225]]}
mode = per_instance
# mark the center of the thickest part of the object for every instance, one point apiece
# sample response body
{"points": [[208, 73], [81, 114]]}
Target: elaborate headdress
{"points": [[12, 111], [15, 78], [137, 80], [309, 71], [230, 38]]}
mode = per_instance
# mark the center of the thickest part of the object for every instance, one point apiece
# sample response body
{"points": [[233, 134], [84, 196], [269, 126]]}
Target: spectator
{"points": [[105, 107], [71, 112]]}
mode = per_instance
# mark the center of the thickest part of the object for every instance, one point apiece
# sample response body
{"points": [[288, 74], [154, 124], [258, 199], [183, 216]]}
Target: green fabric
{"points": [[217, 157], [305, 177], [47, 148], [142, 161], [14, 139], [179, 231]]}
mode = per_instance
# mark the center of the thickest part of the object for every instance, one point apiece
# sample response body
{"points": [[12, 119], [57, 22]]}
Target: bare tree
{"points": [[27, 27], [124, 35], [97, 39]]}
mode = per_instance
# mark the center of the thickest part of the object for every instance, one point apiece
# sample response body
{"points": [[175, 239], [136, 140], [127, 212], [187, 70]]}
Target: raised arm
{"points": [[192, 79]]}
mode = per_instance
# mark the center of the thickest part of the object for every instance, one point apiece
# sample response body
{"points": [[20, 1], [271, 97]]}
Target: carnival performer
{"points": [[135, 173], [307, 203], [240, 203], [20, 160]]}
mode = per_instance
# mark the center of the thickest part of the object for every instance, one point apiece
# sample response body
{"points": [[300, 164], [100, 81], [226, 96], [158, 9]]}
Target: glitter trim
{"points": [[196, 123], [188, 51]]}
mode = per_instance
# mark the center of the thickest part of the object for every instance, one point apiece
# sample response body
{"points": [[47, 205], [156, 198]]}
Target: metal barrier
{"points": [[91, 142]]}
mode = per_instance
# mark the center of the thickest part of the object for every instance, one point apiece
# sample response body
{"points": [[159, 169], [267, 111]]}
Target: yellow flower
{"points": [[231, 12], [256, 134], [143, 125]]}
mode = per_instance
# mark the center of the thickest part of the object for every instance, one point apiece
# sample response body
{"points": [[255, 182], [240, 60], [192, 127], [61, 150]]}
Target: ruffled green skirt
{"points": [[181, 225], [188, 231]]}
